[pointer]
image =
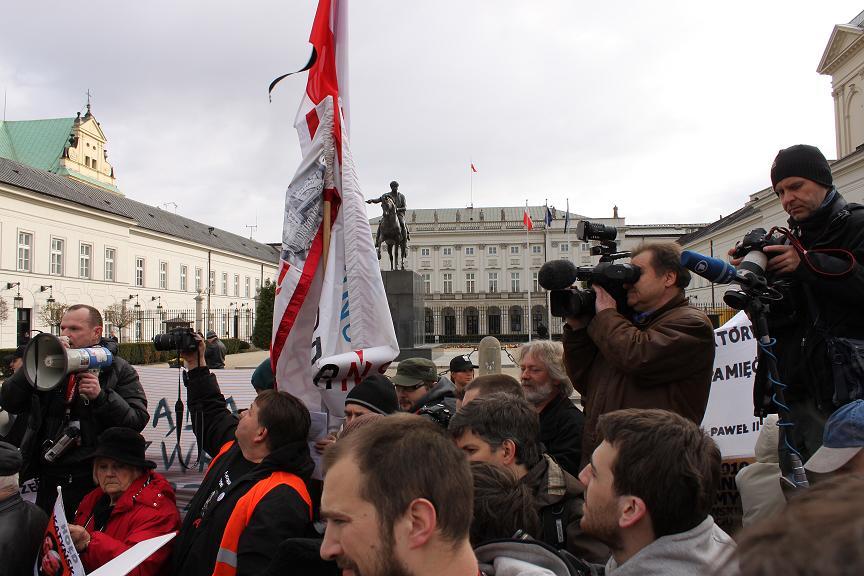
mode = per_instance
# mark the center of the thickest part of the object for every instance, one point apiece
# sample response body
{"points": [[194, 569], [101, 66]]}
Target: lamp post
{"points": [[50, 289], [17, 301]]}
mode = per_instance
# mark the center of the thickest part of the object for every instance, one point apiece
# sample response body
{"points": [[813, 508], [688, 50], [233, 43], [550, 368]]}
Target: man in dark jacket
{"points": [[820, 314], [662, 357], [216, 351], [22, 525], [114, 398], [503, 429], [254, 493], [548, 389]]}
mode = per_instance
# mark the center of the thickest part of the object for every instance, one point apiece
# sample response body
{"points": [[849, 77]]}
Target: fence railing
{"points": [[463, 324], [226, 322]]}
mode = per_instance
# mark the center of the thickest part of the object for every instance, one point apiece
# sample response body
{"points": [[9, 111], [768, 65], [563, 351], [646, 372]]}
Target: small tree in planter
{"points": [[4, 310], [51, 314], [119, 315]]}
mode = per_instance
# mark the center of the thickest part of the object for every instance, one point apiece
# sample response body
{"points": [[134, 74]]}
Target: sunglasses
{"points": [[410, 388]]}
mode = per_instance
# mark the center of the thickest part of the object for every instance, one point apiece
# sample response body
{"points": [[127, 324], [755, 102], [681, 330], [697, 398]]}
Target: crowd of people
{"points": [[592, 461]]}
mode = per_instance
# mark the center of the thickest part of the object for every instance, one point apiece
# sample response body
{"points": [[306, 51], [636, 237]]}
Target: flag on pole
{"points": [[548, 218], [331, 323], [473, 169], [526, 219], [567, 217], [57, 554]]}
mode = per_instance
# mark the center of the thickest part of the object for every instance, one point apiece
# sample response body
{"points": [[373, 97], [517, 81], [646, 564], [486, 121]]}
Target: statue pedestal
{"points": [[404, 290]]}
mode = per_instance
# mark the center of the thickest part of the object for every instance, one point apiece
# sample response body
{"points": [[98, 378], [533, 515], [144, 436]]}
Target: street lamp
{"points": [[158, 300], [137, 306], [17, 301], [50, 289]]}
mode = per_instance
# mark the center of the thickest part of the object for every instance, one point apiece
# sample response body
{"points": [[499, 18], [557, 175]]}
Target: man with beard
{"points": [[548, 389], [650, 485], [398, 501]]}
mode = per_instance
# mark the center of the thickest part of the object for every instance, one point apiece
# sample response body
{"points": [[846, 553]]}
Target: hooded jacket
{"points": [[443, 392], [759, 482], [281, 514], [145, 510], [700, 550], [528, 558], [665, 360]]}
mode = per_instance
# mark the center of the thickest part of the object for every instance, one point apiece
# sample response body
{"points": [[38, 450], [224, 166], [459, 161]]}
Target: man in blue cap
{"points": [[841, 451]]}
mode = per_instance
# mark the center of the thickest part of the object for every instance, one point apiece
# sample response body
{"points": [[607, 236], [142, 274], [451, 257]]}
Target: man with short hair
{"points": [[548, 389], [94, 403], [817, 332], [650, 486], [216, 351], [386, 518], [417, 386], [254, 494], [492, 384], [502, 429], [841, 451], [662, 357]]}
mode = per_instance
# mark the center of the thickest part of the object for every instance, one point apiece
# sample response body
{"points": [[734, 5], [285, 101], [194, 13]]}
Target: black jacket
{"points": [[816, 306], [22, 526], [122, 402], [561, 426], [281, 514]]}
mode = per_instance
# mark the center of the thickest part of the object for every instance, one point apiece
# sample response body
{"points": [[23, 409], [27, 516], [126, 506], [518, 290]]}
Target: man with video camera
{"points": [[661, 356], [89, 403], [817, 324]]}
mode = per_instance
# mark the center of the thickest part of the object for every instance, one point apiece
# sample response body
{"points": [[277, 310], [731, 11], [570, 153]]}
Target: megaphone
{"points": [[47, 362]]}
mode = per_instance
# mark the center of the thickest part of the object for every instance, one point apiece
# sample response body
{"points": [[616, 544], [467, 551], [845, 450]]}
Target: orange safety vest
{"points": [[226, 558]]}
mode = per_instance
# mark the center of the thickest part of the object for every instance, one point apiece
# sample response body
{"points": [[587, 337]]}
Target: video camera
{"points": [[179, 339], [558, 276]]}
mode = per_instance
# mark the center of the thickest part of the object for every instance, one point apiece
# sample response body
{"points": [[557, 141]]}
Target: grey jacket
{"points": [[700, 550]]}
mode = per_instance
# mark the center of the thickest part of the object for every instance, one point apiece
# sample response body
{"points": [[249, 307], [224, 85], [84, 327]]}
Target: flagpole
{"points": [[528, 271], [545, 259]]}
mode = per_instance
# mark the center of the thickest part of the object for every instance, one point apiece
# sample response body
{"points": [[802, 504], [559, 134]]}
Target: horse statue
{"points": [[391, 234]]}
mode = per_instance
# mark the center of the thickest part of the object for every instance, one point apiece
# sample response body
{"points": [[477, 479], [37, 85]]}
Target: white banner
{"points": [[729, 417]]}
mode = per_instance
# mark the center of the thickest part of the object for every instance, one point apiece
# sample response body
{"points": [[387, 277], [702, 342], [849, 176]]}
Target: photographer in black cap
{"points": [[818, 271]]}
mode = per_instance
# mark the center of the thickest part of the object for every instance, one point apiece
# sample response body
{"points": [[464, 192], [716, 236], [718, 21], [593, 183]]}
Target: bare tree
{"points": [[51, 314], [119, 315], [4, 310]]}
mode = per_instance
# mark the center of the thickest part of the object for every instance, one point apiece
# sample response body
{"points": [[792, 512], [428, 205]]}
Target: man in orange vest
{"points": [[254, 493], [398, 500]]}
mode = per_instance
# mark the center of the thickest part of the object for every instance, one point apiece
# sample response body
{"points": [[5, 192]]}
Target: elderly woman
{"points": [[131, 504]]}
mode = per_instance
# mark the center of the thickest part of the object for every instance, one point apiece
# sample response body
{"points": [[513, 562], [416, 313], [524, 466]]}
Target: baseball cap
{"points": [[842, 440], [460, 363], [414, 371]]}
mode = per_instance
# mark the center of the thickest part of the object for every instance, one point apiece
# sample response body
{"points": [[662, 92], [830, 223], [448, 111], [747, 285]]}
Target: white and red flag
{"points": [[331, 322], [526, 219]]}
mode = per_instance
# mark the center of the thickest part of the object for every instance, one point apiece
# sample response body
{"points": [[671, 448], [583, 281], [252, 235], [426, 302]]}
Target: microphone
{"points": [[712, 269], [557, 275]]}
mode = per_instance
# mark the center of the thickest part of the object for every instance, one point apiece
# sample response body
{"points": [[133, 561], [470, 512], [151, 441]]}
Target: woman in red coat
{"points": [[132, 503]]}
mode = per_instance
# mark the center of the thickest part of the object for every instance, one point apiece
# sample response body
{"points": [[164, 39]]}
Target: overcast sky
{"points": [[673, 110]]}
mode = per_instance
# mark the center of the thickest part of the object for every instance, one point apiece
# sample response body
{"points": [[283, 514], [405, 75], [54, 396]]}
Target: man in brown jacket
{"points": [[663, 357]]}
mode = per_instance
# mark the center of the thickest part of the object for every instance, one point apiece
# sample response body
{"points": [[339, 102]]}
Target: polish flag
{"points": [[526, 220]]}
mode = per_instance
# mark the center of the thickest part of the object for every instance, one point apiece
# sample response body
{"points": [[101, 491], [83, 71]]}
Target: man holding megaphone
{"points": [[74, 388]]}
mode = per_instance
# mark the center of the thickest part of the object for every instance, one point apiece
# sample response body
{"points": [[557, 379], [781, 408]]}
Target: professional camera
{"points": [[52, 450], [178, 339], [438, 413], [558, 276], [752, 267]]}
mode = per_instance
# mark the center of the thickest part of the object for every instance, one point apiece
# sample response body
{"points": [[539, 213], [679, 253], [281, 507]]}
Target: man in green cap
{"points": [[417, 386]]}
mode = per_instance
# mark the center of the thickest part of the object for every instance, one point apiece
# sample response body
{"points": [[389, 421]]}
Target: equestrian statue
{"points": [[391, 226]]}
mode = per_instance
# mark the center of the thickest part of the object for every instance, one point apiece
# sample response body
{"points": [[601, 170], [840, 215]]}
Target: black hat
{"points": [[123, 445], [10, 459], [375, 392], [803, 161], [461, 363]]}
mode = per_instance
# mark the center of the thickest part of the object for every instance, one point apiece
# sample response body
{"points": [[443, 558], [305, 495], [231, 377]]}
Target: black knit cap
{"points": [[803, 161], [123, 445], [10, 459], [375, 392]]}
